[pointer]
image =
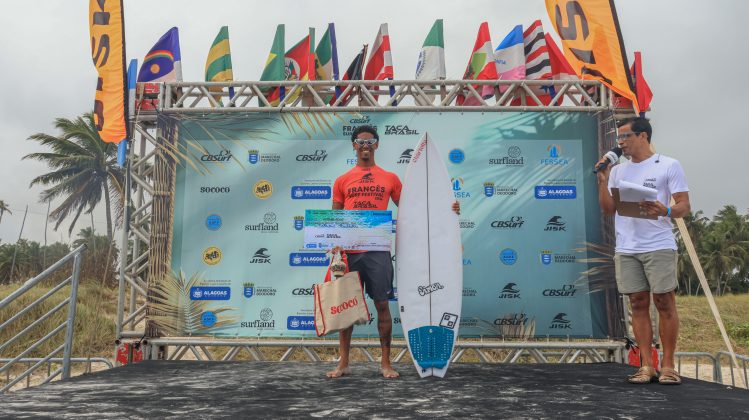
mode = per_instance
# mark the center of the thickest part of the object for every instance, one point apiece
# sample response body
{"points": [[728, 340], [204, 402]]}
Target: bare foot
{"points": [[389, 373], [338, 372]]}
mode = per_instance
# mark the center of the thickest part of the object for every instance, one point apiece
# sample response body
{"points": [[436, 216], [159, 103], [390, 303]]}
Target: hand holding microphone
{"points": [[610, 158]]}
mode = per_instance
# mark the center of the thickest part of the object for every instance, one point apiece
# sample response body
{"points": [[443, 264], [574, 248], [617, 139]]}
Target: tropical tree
{"points": [[3, 208], [84, 170]]}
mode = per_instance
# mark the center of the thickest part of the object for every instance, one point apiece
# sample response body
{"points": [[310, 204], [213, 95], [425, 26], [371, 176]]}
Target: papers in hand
{"points": [[632, 192]]}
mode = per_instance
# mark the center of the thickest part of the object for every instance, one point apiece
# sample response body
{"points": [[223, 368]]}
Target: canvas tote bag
{"points": [[340, 304]]}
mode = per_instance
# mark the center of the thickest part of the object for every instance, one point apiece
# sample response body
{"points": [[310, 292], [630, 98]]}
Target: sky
{"points": [[46, 72]]}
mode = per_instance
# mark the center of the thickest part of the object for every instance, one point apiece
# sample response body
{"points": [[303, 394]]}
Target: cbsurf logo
{"points": [[222, 156], [318, 155], [512, 320], [514, 222], [510, 291], [568, 290]]}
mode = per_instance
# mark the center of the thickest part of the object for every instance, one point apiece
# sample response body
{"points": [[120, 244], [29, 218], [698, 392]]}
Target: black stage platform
{"points": [[241, 390]]}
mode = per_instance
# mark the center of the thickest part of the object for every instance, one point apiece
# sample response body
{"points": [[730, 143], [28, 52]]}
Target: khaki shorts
{"points": [[648, 271]]}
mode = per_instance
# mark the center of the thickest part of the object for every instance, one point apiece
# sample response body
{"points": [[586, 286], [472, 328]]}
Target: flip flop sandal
{"points": [[669, 376], [644, 375]]}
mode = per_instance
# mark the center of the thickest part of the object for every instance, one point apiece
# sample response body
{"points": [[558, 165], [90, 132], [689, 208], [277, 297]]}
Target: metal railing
{"points": [[68, 325], [88, 362], [709, 367]]}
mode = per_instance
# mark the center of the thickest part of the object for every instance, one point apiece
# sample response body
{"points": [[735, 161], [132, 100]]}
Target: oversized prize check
{"points": [[361, 230]]}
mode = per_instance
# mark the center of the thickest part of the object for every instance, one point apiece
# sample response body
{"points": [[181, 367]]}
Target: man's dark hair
{"points": [[639, 125], [364, 129]]}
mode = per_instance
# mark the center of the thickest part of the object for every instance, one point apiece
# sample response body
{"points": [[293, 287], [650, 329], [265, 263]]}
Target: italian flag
{"points": [[274, 66], [431, 64], [480, 67]]}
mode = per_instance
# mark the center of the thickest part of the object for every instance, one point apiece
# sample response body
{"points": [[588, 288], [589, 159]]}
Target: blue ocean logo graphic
{"points": [[457, 156], [213, 222], [208, 319], [556, 192], [210, 293], [308, 259], [545, 257], [300, 323], [310, 192], [253, 156], [508, 256]]}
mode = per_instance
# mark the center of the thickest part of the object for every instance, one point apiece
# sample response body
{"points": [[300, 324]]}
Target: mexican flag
{"points": [[431, 64], [274, 66], [326, 59], [480, 67]]}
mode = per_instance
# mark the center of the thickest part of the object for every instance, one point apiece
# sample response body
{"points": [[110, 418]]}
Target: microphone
{"points": [[612, 156]]}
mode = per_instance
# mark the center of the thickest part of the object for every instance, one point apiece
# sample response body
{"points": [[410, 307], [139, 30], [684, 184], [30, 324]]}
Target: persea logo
{"points": [[568, 290], [310, 192], [261, 257], [208, 319], [510, 291], [512, 320], [222, 156], [213, 222], [555, 224], [457, 156], [555, 157], [298, 222], [458, 184], [545, 257], [210, 293], [405, 157], [514, 222], [263, 189], [310, 259], [508, 256], [560, 322], [300, 323], [318, 156], [212, 255], [556, 192]]}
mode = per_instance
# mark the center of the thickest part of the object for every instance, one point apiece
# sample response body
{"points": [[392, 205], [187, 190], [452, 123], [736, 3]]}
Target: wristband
{"points": [[668, 212]]}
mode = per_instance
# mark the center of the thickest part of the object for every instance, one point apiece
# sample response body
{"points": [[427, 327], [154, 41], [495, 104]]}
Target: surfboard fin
{"points": [[431, 345]]}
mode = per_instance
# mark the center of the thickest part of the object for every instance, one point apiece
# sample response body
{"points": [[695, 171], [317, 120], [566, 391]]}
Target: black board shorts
{"points": [[376, 271]]}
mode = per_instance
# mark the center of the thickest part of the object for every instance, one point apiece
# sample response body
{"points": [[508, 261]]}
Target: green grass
{"points": [[698, 330]]}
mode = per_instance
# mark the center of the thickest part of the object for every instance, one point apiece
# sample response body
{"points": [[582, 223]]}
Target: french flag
{"points": [[510, 56]]}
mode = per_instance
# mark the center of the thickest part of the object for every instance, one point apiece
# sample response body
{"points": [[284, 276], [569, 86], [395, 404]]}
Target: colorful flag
{"points": [[218, 64], [592, 42], [380, 63], [163, 62], [132, 73], [480, 67], [560, 67], [354, 71], [510, 57], [326, 59], [274, 67], [431, 63], [107, 33], [644, 94], [299, 60], [537, 64]]}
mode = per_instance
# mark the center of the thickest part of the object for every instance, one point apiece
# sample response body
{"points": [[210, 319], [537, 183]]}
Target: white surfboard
{"points": [[429, 261]]}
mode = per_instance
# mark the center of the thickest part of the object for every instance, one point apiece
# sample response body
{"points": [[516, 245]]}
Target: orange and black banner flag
{"points": [[107, 28], [592, 42]]}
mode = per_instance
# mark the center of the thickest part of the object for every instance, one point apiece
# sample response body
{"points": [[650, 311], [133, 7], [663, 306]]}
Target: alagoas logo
{"points": [[349, 304], [308, 259], [300, 323], [405, 157], [310, 192], [568, 290], [210, 293], [555, 192], [425, 290], [555, 224], [512, 320], [261, 257], [222, 156], [560, 322], [263, 189], [510, 291], [212, 255], [399, 130]]}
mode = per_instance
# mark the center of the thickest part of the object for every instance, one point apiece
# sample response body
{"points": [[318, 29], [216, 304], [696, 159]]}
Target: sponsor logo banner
{"points": [[310, 192], [300, 323], [210, 293], [559, 192], [308, 259]]}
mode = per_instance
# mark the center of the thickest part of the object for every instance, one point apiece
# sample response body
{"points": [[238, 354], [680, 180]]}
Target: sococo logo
{"points": [[555, 224], [491, 190], [399, 130], [318, 156], [222, 156], [514, 158], [213, 222], [458, 184], [300, 323], [512, 320], [268, 225], [555, 192], [310, 259], [215, 190], [514, 222], [510, 291], [560, 322], [210, 293], [405, 157], [310, 192], [261, 256], [263, 189], [568, 290], [508, 256], [555, 158], [298, 222], [212, 255]]}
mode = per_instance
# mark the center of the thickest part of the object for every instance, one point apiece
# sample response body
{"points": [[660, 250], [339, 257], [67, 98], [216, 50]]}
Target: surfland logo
{"points": [[405, 157], [513, 158], [266, 320], [426, 290], [512, 320], [555, 224], [560, 322], [261, 256], [510, 291], [268, 225]]}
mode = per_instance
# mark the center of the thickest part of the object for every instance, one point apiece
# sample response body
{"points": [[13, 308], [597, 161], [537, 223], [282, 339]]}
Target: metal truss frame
{"points": [[206, 98]]}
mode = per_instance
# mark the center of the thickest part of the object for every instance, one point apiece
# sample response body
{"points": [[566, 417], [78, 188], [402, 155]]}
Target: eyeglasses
{"points": [[362, 142], [625, 136]]}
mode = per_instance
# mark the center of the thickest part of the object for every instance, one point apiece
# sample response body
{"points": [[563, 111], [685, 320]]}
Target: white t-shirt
{"points": [[633, 235]]}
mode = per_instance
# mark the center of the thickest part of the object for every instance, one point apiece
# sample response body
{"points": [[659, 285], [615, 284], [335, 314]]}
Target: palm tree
{"points": [[84, 169], [3, 208]]}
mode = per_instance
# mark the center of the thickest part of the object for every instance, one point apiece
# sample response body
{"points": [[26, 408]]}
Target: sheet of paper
{"points": [[632, 192], [364, 230]]}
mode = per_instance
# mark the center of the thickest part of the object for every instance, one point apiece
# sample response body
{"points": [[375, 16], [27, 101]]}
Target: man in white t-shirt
{"points": [[645, 257]]}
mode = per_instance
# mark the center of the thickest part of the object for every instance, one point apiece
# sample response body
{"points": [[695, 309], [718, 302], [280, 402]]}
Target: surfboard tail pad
{"points": [[431, 345]]}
